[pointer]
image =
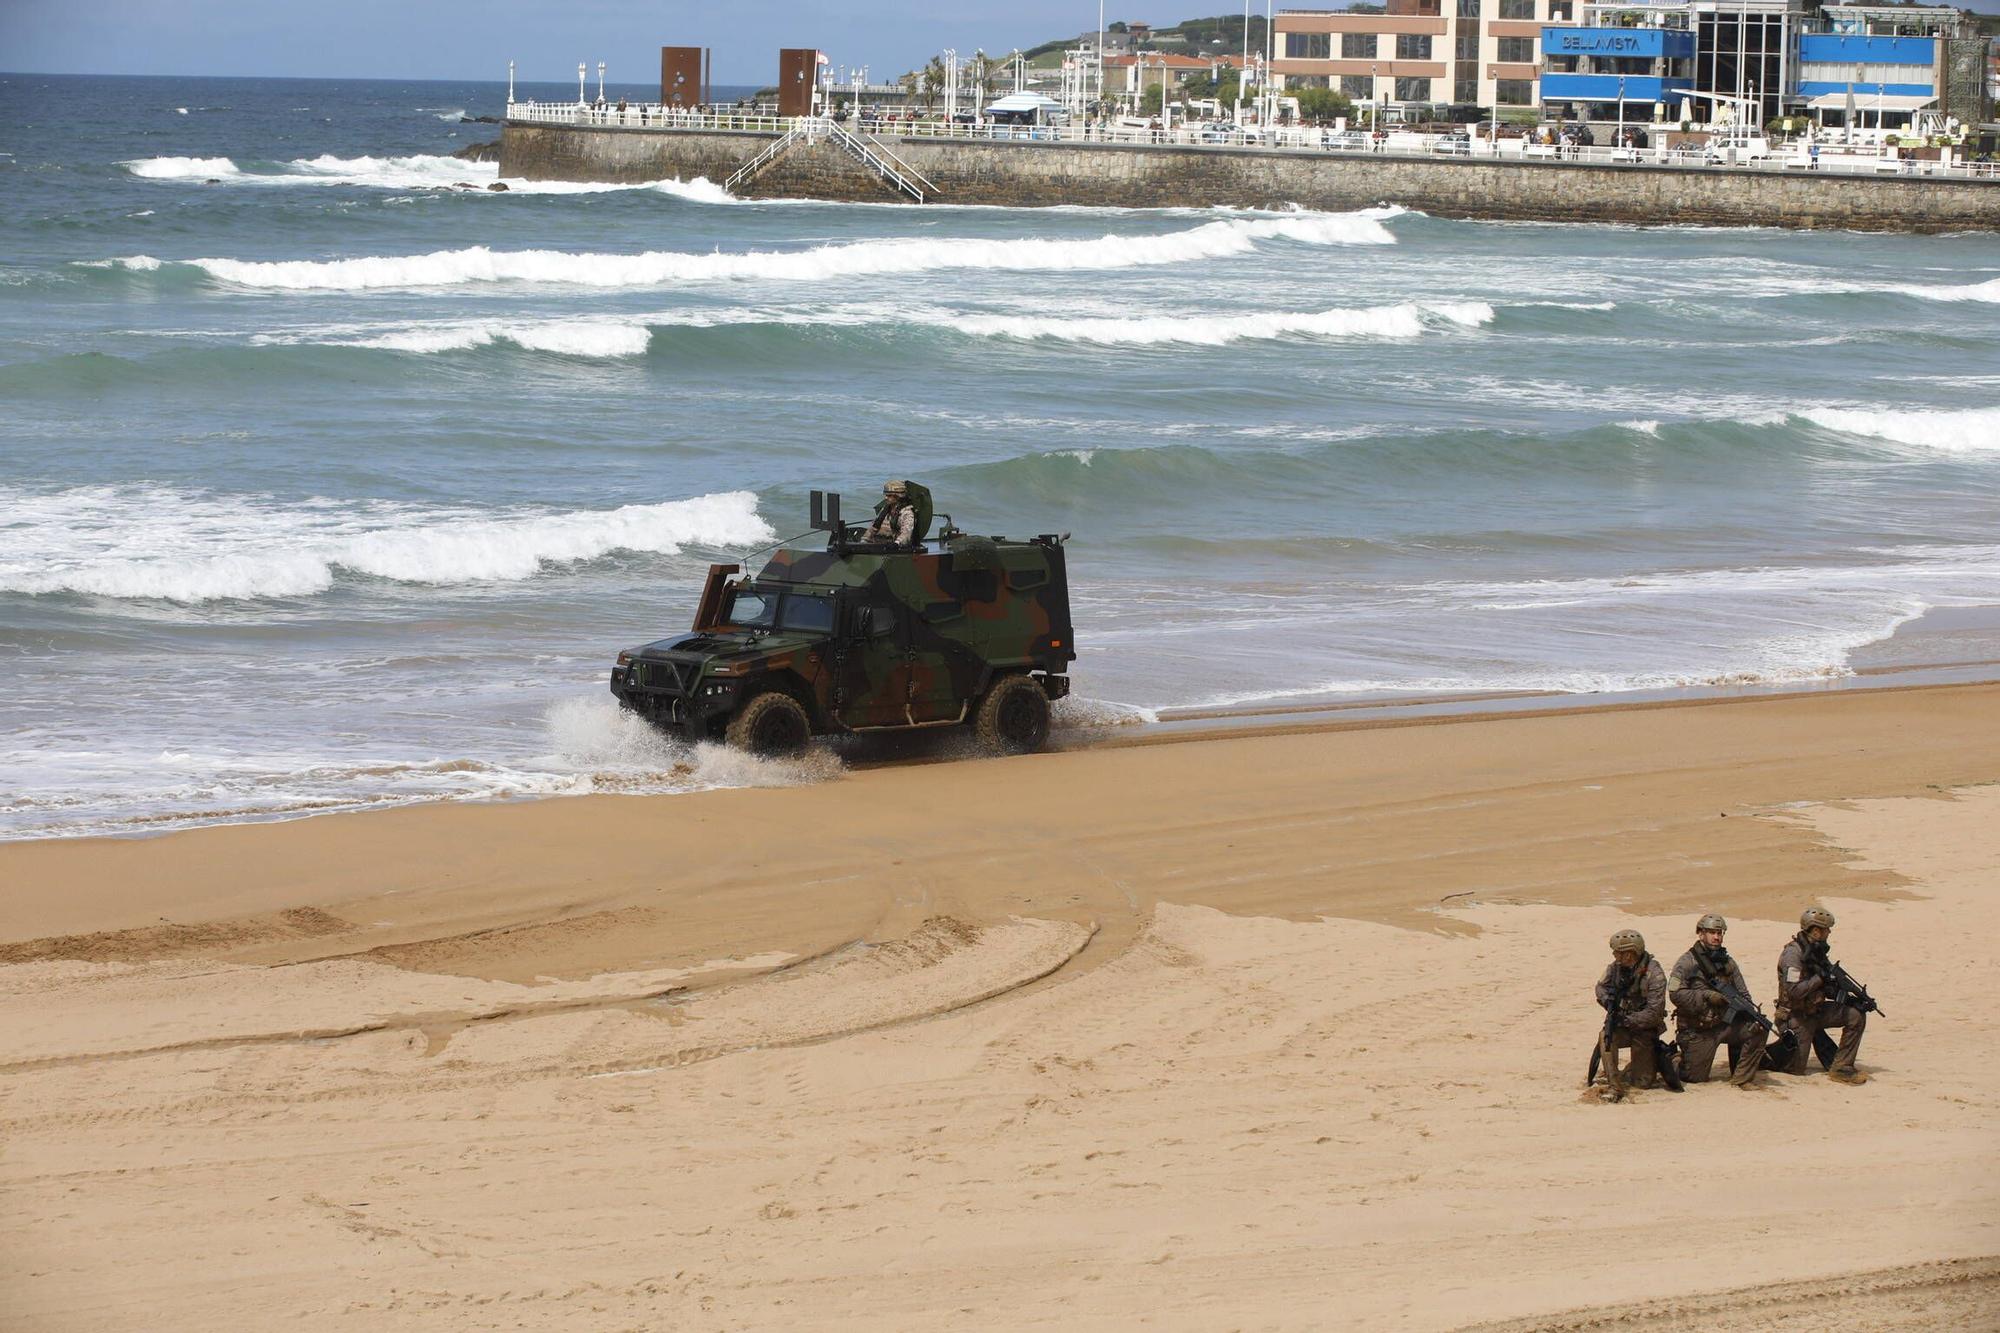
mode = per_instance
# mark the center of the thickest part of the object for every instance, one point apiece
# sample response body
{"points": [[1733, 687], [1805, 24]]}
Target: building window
{"points": [[1413, 90], [1358, 86], [1468, 46], [1305, 81], [1560, 11], [1517, 9], [1357, 46], [1517, 50], [1413, 46], [1514, 92], [1468, 9], [1465, 92], [1308, 45]]}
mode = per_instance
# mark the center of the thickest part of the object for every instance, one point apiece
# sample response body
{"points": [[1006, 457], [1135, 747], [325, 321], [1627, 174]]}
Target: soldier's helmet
{"points": [[1622, 940], [1815, 916], [1711, 922], [896, 488]]}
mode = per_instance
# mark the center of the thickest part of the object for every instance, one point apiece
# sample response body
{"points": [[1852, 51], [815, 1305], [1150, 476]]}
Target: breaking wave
{"points": [[1988, 291], [1971, 431], [421, 171], [1407, 320], [182, 168], [479, 264], [178, 546]]}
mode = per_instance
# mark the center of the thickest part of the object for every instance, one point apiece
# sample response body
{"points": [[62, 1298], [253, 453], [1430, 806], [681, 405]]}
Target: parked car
{"points": [[1457, 144]]}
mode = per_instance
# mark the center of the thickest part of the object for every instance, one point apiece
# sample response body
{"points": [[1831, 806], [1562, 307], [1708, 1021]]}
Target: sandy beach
{"points": [[1282, 1030]]}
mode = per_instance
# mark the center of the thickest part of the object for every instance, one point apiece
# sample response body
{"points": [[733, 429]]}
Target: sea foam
{"points": [[182, 168], [1405, 320], [479, 264], [1969, 431], [194, 547]]}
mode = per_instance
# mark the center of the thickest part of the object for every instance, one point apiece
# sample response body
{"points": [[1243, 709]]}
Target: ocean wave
{"points": [[582, 338], [1970, 431], [479, 264], [418, 171], [1406, 320], [182, 168], [1988, 291], [168, 545]]}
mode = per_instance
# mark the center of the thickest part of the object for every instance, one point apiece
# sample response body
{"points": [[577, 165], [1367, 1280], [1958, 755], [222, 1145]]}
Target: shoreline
{"points": [[1942, 646], [564, 879]]}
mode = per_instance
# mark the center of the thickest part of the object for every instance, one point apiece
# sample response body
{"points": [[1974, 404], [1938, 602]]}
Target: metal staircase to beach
{"points": [[872, 153], [772, 151], [869, 151]]}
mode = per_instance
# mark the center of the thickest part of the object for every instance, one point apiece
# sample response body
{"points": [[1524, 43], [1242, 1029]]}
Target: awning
{"points": [[1867, 102], [1024, 101]]}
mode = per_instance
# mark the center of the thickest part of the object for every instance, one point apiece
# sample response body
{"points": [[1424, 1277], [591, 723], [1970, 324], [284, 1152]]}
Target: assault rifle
{"points": [[1777, 1055], [1842, 988]]}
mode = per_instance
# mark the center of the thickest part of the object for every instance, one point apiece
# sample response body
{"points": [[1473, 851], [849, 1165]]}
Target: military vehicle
{"points": [[861, 636]]}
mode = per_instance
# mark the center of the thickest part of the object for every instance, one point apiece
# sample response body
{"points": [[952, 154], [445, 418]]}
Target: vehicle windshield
{"points": [[751, 609], [806, 612]]}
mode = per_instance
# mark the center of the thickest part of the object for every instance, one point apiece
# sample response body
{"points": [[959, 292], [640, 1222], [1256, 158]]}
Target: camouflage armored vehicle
{"points": [[866, 635]]}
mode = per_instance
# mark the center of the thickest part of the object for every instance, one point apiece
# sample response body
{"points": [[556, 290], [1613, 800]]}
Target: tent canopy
{"points": [[1867, 102], [1016, 103]]}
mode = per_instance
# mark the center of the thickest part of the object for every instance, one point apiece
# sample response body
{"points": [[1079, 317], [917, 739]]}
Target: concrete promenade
{"points": [[1021, 173]]}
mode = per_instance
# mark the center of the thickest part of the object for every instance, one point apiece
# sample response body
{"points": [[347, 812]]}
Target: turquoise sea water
{"points": [[321, 485]]}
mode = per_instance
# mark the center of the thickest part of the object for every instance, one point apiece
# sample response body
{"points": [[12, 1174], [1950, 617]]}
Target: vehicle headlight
{"points": [[624, 659]]}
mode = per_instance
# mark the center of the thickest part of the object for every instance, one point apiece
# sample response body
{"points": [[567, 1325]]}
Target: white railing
{"points": [[772, 151], [879, 158], [647, 116], [1782, 159]]}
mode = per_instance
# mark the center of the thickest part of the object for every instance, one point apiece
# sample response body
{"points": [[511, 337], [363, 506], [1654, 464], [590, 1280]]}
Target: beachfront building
{"points": [[1877, 65], [1127, 76], [1736, 61], [1710, 61], [1463, 52]]}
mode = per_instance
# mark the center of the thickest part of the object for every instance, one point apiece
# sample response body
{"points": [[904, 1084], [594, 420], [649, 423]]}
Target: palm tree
{"points": [[933, 82]]}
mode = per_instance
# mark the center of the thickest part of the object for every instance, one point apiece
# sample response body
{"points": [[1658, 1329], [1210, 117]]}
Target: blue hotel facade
{"points": [[1789, 56], [1613, 65]]}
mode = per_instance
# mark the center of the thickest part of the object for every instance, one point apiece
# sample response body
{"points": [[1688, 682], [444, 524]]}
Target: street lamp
{"points": [[600, 83], [579, 83], [510, 83]]}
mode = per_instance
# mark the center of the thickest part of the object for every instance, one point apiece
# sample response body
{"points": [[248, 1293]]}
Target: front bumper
{"points": [[674, 695]]}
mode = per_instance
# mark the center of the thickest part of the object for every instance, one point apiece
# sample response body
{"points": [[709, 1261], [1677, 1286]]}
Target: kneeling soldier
{"points": [[1633, 991], [1702, 1013], [1803, 974]]}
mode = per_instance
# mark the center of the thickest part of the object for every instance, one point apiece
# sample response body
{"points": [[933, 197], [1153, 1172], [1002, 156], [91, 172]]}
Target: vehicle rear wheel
{"points": [[1014, 716], [772, 723]]}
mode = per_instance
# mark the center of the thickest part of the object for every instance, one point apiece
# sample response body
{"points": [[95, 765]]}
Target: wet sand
{"points": [[1282, 1030]]}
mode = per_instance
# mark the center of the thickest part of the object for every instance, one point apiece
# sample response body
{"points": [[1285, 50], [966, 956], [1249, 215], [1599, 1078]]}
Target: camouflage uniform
{"points": [[1801, 1006], [1700, 1015], [1642, 1018], [897, 523]]}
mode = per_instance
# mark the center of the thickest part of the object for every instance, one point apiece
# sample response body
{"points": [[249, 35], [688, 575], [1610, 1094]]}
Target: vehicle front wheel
{"points": [[1014, 716], [773, 723]]}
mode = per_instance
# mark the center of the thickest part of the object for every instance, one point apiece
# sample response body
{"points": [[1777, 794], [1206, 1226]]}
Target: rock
{"points": [[479, 120], [498, 187], [479, 152]]}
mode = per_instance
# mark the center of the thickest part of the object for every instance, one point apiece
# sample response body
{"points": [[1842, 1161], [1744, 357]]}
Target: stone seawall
{"points": [[1030, 174]]}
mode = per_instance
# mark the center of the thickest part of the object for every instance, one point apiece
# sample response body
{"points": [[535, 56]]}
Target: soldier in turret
{"points": [[1803, 1001], [1702, 1012], [1637, 986], [895, 518]]}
